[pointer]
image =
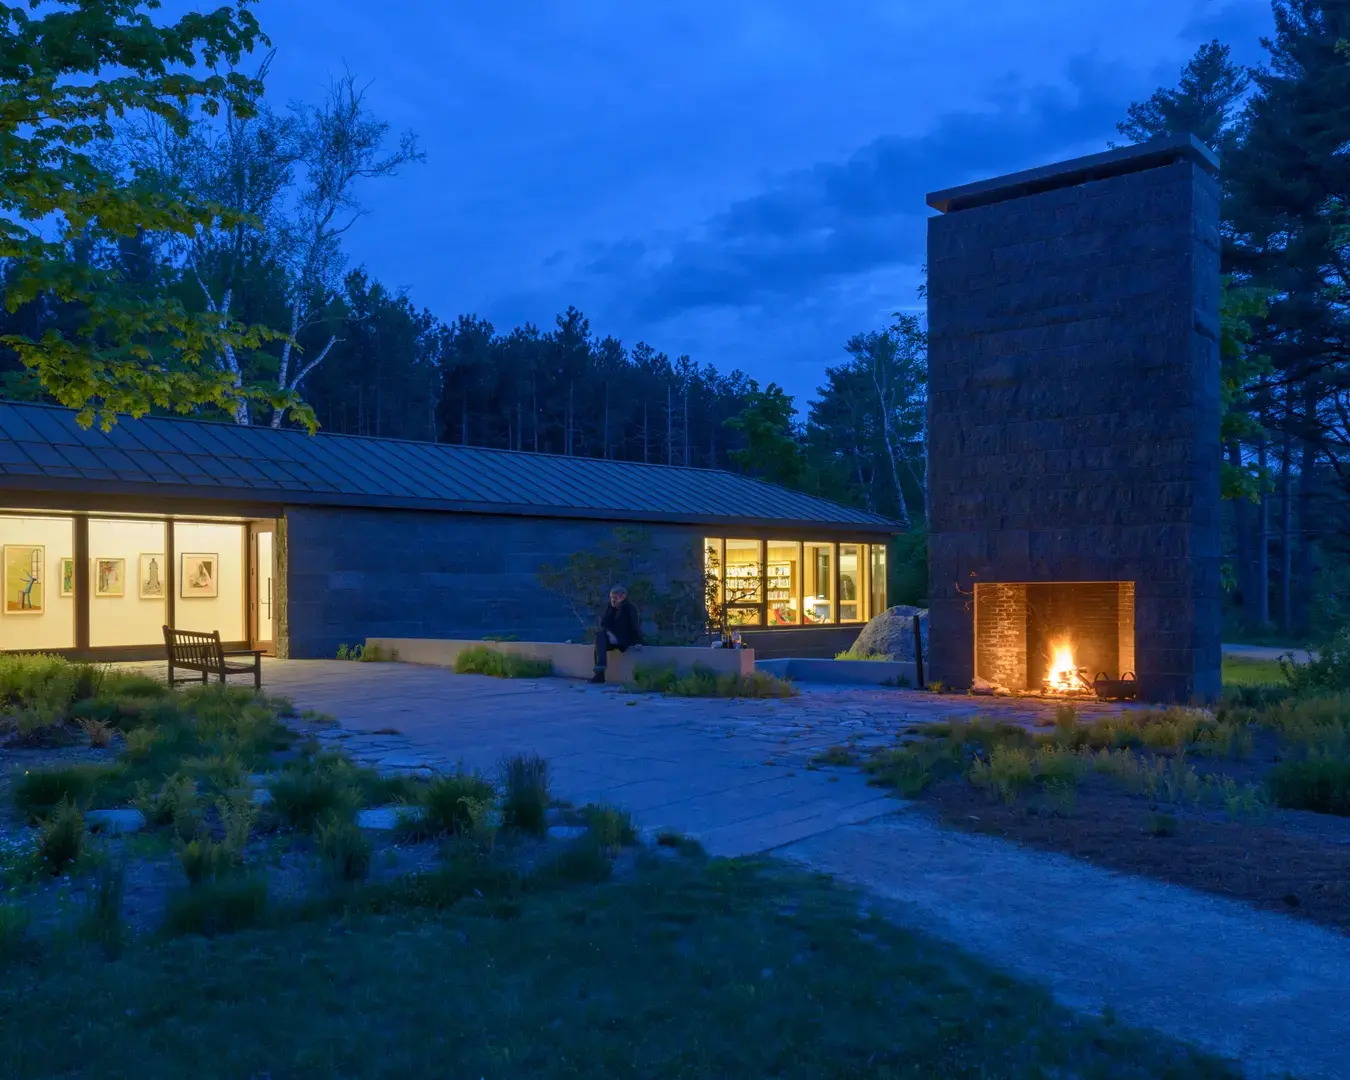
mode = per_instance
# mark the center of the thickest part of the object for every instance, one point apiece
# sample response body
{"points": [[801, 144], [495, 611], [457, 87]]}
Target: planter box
{"points": [[855, 672], [574, 661]]}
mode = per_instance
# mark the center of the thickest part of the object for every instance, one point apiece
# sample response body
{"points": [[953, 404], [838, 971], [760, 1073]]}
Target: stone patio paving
{"points": [[730, 772]]}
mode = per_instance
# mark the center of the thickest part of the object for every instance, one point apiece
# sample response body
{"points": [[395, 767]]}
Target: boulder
{"points": [[115, 822], [891, 634]]}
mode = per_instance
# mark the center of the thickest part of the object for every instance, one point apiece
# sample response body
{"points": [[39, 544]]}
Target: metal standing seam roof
{"points": [[43, 448]]}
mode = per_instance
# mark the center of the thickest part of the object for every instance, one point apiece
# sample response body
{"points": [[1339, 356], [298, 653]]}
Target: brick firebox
{"points": [[1074, 417]]}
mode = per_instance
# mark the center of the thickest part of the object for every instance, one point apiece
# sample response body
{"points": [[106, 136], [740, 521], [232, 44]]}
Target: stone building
{"points": [[298, 544]]}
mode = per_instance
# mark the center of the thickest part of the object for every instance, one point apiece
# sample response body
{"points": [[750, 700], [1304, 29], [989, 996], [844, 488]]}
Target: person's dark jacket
{"points": [[624, 623]]}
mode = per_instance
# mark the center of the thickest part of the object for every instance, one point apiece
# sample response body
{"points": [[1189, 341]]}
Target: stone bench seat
{"points": [[574, 661]]}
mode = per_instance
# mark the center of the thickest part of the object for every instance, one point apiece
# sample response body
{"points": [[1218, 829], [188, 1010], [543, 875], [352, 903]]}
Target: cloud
{"points": [[816, 227]]}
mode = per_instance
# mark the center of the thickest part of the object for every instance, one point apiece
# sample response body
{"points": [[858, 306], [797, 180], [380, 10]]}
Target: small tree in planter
{"points": [[673, 599]]}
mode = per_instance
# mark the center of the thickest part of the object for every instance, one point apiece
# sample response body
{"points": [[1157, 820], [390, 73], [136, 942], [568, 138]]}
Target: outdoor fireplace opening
{"points": [[1056, 637]]}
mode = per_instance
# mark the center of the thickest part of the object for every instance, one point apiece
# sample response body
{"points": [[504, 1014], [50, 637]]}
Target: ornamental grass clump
{"points": [[62, 839], [525, 803], [705, 682], [480, 660]]}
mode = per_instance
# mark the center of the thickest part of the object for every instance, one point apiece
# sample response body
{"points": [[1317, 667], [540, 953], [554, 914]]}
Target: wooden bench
{"points": [[193, 650]]}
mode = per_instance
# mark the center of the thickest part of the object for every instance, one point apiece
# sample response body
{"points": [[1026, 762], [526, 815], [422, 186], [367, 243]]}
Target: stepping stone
{"points": [[386, 817], [115, 822], [566, 832]]}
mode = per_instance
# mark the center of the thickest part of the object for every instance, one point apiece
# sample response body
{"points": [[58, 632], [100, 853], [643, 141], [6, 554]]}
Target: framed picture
{"points": [[198, 578], [110, 577], [25, 579], [67, 577], [151, 577]]}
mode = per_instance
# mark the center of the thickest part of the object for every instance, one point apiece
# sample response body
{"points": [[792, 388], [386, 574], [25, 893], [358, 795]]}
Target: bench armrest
{"points": [[245, 652]]}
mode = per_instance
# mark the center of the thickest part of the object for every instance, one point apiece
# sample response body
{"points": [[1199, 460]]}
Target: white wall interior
{"points": [[126, 619], [224, 611], [54, 628]]}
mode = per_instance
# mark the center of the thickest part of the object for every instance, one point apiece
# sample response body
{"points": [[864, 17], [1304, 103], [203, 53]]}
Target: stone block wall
{"points": [[352, 574], [1074, 410]]}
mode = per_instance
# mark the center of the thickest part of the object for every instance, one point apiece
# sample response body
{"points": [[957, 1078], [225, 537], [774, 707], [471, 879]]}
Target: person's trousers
{"points": [[602, 647]]}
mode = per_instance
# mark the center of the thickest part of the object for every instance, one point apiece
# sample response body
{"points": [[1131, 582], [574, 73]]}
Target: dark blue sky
{"points": [[743, 181]]}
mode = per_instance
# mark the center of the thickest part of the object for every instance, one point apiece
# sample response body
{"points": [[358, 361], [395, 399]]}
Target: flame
{"points": [[1063, 674]]}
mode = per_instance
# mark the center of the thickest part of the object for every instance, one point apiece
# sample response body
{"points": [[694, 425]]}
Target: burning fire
{"points": [[1062, 677]]}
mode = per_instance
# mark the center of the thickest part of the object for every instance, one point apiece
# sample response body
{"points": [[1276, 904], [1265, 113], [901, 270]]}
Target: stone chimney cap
{"points": [[1126, 159]]}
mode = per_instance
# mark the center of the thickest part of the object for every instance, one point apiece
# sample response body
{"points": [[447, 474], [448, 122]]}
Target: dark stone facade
{"points": [[1074, 405], [353, 574]]}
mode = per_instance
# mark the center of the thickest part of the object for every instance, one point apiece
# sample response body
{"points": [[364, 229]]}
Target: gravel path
{"points": [[1259, 988]]}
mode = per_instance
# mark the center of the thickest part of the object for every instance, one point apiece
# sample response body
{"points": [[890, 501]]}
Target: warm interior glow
{"points": [[1063, 674]]}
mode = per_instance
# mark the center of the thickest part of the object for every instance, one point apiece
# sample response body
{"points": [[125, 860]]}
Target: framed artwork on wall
{"points": [[25, 579], [110, 577], [151, 577], [198, 577], [67, 577]]}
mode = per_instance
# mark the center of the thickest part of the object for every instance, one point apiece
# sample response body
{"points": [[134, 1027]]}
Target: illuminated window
{"points": [[745, 582], [128, 582], [818, 582], [783, 580], [877, 578], [850, 583], [210, 592]]}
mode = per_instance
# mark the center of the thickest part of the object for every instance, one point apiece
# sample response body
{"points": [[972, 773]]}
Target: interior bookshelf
{"points": [[780, 582]]}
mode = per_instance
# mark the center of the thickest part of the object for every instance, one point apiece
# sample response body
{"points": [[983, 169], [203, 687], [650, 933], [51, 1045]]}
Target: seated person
{"points": [[620, 628]]}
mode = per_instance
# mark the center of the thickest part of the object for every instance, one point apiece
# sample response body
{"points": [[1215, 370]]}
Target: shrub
{"points": [[1007, 772], [218, 907], [139, 742], [849, 654], [704, 682], [238, 813], [204, 859], [38, 793], [1055, 765], [835, 755], [345, 849], [454, 805], [525, 806], [1320, 783], [911, 769], [1327, 671], [480, 660], [585, 861], [176, 803], [102, 922], [611, 827], [1162, 825], [62, 838], [98, 732], [322, 788], [38, 687]]}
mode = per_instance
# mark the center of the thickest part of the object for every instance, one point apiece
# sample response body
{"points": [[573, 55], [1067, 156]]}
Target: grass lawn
{"points": [[684, 968], [1249, 671]]}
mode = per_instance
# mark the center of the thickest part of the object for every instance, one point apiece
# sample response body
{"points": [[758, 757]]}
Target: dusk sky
{"points": [[740, 181]]}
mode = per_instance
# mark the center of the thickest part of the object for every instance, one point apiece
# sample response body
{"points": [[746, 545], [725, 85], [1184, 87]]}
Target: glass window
{"points": [[128, 582], [877, 578], [39, 583], [744, 582], [850, 583], [783, 579], [818, 582], [210, 591], [712, 566]]}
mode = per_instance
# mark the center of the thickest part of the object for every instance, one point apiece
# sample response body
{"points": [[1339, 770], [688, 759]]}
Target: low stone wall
{"points": [[573, 661], [844, 672]]}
